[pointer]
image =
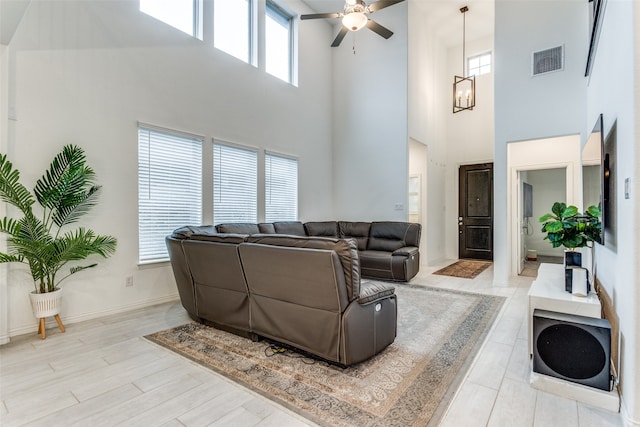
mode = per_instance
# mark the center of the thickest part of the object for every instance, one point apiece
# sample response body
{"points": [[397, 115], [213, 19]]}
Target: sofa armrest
{"points": [[370, 292], [407, 251]]}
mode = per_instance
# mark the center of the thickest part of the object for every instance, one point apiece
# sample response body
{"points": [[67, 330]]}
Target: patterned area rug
{"points": [[408, 384], [465, 268]]}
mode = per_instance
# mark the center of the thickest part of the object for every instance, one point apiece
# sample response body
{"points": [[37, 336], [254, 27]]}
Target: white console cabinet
{"points": [[547, 292]]}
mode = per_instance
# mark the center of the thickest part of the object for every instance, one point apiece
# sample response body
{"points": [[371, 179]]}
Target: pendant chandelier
{"points": [[464, 88]]}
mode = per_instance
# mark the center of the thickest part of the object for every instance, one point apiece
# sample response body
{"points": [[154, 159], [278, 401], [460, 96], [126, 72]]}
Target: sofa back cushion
{"points": [[239, 228], [322, 229], [355, 230], [389, 236], [266, 228], [292, 228], [189, 230], [345, 249], [220, 289], [297, 296]]}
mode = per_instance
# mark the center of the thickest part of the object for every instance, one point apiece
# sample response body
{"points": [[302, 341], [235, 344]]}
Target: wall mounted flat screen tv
{"points": [[594, 172]]}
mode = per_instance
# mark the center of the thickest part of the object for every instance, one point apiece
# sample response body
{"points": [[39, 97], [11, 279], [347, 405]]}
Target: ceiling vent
{"points": [[547, 61]]}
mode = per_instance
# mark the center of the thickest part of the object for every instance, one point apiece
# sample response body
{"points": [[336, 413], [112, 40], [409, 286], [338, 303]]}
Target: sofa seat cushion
{"points": [[383, 265], [371, 291], [375, 259]]}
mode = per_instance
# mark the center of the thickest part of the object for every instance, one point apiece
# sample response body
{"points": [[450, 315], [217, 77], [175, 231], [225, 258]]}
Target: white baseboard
{"points": [[609, 400], [94, 315], [627, 421]]}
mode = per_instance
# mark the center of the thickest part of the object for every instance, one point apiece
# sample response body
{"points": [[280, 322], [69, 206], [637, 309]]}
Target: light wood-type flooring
{"points": [[103, 373]]}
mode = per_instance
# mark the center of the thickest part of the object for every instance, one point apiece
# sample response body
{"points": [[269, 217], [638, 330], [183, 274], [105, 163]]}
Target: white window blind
{"points": [[281, 188], [169, 188], [235, 184]]}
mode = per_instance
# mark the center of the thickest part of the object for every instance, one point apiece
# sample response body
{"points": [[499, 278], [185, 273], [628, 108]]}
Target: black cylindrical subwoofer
{"points": [[574, 348]]}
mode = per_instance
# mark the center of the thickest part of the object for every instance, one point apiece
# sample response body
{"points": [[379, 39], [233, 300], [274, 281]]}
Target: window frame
{"points": [[252, 40], [479, 56], [196, 25], [279, 14]]}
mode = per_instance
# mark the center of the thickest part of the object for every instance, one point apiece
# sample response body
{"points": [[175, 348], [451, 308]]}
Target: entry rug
{"points": [[465, 268], [410, 383]]}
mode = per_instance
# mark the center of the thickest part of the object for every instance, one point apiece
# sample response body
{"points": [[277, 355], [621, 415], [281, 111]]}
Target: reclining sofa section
{"points": [[387, 250], [302, 291]]}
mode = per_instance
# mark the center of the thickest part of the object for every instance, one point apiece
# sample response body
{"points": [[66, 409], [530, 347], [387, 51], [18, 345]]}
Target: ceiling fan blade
{"points": [[343, 32], [379, 29], [320, 15], [381, 4]]}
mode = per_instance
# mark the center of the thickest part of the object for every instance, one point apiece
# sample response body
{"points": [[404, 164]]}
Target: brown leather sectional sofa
{"points": [[298, 290], [387, 249]]}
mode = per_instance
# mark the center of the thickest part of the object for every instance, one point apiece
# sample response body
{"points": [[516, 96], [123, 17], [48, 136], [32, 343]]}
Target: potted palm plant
{"points": [[42, 239]]}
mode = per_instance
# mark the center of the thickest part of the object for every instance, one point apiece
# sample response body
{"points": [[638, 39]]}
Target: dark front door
{"points": [[475, 217]]}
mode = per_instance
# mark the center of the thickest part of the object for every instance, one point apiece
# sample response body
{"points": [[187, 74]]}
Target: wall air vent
{"points": [[547, 61]]}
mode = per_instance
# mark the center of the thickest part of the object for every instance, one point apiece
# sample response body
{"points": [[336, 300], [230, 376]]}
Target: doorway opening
{"points": [[540, 189], [417, 191], [525, 157]]}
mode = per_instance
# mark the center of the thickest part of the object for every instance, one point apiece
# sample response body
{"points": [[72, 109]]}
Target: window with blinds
{"points": [[281, 188], [235, 184], [169, 188]]}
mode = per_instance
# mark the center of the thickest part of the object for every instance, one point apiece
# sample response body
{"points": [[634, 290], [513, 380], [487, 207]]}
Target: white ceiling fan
{"points": [[354, 17]]}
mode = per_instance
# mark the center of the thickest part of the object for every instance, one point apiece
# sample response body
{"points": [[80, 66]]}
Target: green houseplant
{"points": [[566, 226], [42, 239]]}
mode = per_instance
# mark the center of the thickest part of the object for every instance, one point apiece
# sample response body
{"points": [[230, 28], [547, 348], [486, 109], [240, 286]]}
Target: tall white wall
{"points": [[428, 109], [566, 103], [370, 136], [613, 90], [86, 72], [526, 107]]}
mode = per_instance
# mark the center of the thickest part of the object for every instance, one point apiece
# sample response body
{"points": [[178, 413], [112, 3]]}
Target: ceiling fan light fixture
{"points": [[354, 21]]}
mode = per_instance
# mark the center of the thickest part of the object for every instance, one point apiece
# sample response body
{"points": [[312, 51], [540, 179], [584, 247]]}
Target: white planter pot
{"points": [[47, 304]]}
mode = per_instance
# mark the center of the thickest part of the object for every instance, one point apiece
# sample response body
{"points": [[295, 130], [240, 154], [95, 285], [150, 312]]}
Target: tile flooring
{"points": [[102, 373]]}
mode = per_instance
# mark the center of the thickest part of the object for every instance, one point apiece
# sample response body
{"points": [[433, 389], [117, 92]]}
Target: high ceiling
{"points": [[443, 15]]}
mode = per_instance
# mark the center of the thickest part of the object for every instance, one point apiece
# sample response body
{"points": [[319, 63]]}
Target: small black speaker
{"points": [[573, 348]]}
